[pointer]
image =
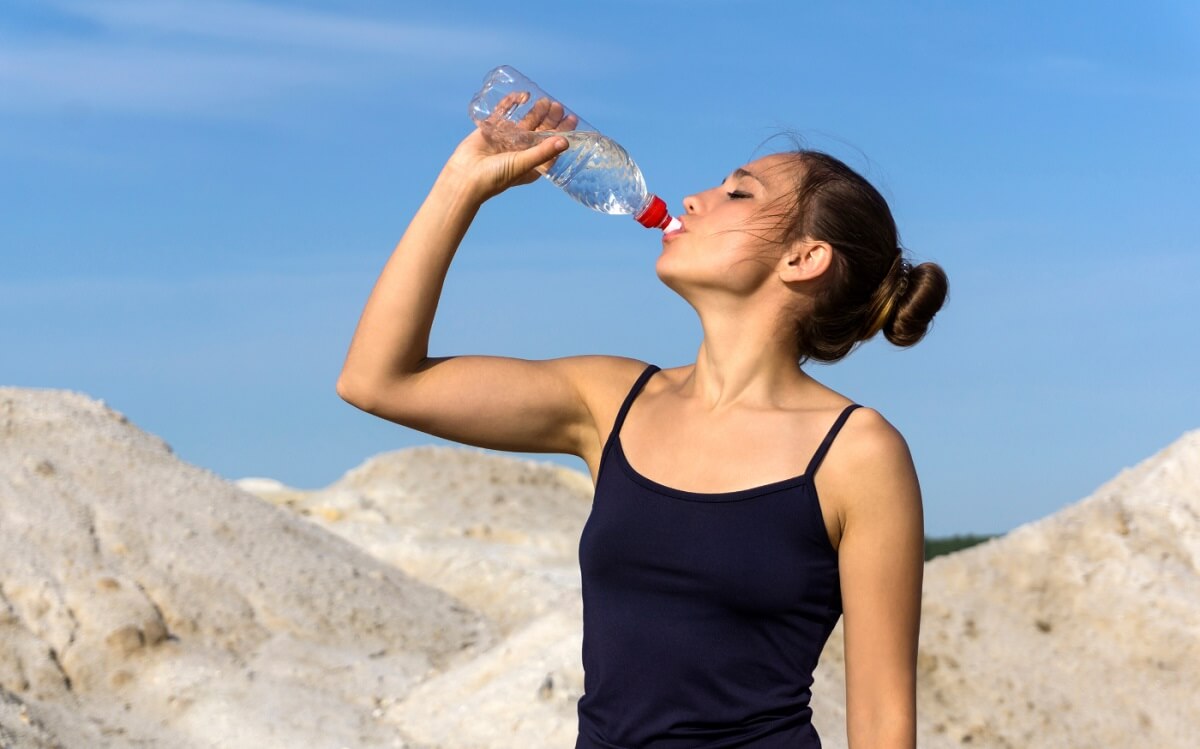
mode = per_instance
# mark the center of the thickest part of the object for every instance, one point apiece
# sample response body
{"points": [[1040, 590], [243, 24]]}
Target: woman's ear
{"points": [[804, 260]]}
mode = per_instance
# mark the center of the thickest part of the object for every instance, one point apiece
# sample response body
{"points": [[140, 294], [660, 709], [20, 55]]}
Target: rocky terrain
{"points": [[429, 599]]}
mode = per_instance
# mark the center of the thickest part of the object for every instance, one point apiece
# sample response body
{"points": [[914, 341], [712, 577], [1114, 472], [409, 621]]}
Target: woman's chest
{"points": [[701, 458], [760, 554]]}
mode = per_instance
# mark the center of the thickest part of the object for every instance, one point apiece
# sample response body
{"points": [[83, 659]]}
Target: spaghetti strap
{"points": [[824, 448], [633, 391]]}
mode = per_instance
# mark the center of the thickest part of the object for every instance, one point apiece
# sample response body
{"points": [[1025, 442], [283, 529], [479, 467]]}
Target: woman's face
{"points": [[728, 225]]}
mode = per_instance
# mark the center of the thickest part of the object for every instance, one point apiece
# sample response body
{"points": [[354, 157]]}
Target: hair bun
{"points": [[921, 293]]}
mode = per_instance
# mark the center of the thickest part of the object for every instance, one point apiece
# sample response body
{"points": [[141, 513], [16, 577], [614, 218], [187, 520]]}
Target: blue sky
{"points": [[196, 198]]}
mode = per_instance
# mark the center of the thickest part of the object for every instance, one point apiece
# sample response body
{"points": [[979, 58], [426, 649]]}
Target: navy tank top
{"points": [[703, 613]]}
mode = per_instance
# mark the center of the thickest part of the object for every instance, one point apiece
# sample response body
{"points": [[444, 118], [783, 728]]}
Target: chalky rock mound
{"points": [[146, 602], [19, 729], [498, 533], [1077, 631], [501, 535]]}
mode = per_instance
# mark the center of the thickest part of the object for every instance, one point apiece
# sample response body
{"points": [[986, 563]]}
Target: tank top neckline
{"points": [[614, 444], [729, 496]]}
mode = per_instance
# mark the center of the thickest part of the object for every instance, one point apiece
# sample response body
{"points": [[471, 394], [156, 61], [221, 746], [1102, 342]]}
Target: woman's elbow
{"points": [[352, 391]]}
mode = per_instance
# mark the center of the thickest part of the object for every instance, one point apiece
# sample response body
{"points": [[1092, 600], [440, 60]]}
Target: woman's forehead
{"points": [[773, 170]]}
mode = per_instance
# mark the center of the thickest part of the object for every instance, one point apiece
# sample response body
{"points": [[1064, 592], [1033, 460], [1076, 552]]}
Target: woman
{"points": [[712, 573]]}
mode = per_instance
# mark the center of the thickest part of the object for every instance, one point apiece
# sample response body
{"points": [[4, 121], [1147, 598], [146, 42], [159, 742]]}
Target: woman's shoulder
{"points": [[869, 459], [868, 437], [600, 378]]}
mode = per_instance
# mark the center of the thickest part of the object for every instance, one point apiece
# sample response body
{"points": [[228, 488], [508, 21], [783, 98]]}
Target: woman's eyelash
{"points": [[738, 194]]}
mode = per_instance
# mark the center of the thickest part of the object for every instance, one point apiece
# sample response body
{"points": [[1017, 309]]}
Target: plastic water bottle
{"points": [[594, 169]]}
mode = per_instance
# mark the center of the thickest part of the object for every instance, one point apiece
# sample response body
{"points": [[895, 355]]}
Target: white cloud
{"points": [[147, 80], [226, 59], [264, 25]]}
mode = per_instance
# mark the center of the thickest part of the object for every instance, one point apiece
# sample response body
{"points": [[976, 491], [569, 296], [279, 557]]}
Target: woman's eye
{"points": [[738, 194]]}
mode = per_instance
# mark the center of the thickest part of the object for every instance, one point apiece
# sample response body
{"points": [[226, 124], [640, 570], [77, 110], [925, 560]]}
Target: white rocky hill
{"points": [[145, 602], [1080, 630], [429, 599]]}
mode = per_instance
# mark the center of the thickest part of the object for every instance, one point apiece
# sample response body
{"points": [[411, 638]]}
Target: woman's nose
{"points": [[690, 203]]}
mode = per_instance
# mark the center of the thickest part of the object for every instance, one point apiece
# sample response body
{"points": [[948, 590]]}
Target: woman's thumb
{"points": [[542, 152]]}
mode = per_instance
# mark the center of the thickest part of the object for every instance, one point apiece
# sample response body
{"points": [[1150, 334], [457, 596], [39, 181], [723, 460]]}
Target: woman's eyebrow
{"points": [[739, 172]]}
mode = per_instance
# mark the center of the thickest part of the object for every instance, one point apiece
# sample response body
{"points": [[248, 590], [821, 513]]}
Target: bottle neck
{"points": [[654, 215]]}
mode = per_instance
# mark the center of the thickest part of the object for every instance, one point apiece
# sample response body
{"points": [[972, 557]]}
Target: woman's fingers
{"points": [[558, 118], [509, 149], [536, 114], [548, 115], [544, 114], [553, 117], [506, 105]]}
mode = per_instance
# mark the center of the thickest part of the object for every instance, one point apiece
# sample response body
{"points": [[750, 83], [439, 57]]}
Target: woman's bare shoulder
{"points": [[867, 438], [869, 457], [598, 376]]}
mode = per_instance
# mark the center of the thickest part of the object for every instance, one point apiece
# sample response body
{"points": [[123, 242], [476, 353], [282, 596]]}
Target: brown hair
{"points": [[869, 286]]}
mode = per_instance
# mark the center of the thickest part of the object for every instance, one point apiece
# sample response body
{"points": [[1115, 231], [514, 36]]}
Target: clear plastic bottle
{"points": [[595, 170]]}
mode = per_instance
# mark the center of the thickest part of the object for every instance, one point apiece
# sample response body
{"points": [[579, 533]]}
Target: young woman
{"points": [[717, 557]]}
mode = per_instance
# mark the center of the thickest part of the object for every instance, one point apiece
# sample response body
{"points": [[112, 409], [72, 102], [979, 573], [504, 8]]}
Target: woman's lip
{"points": [[669, 234]]}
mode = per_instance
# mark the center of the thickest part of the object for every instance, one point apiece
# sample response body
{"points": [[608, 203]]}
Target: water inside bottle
{"points": [[598, 172]]}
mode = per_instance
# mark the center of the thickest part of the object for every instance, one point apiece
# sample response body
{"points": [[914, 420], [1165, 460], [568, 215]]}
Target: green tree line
{"points": [[936, 546]]}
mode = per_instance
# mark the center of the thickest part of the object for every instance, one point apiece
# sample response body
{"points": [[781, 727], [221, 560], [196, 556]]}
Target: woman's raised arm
{"points": [[494, 402]]}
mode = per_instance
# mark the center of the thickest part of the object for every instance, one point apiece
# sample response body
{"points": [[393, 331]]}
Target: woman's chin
{"points": [[679, 279], [664, 266], [665, 272]]}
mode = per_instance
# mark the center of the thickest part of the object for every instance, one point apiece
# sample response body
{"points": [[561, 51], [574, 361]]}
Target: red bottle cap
{"points": [[655, 215]]}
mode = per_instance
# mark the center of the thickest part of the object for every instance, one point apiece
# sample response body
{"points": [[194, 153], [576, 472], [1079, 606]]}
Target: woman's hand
{"points": [[485, 162]]}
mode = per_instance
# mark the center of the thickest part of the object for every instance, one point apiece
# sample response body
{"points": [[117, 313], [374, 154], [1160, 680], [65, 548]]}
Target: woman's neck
{"points": [[745, 365]]}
